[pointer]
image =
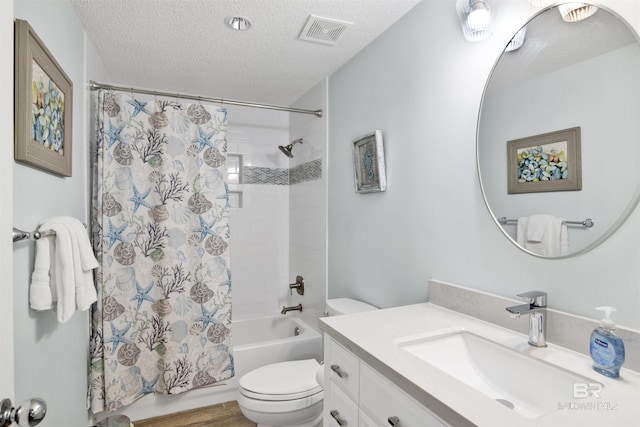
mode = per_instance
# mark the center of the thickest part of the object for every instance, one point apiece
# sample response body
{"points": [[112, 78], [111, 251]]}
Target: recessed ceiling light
{"points": [[237, 23]]}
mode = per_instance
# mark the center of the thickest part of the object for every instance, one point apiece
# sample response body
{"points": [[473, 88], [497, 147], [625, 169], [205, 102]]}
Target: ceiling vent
{"points": [[323, 30]]}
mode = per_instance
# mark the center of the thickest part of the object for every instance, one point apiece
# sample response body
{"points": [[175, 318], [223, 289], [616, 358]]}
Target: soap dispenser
{"points": [[607, 349]]}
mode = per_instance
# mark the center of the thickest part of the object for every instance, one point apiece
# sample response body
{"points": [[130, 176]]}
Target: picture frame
{"points": [[43, 113], [368, 163], [546, 162]]}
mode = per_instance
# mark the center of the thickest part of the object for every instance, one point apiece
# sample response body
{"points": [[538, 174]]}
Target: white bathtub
{"points": [[256, 342], [264, 340]]}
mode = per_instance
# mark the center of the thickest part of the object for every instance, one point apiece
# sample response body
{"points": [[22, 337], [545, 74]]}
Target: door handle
{"points": [[29, 413]]}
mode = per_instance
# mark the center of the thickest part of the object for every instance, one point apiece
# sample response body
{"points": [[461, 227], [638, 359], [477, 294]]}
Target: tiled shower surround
{"points": [[273, 233], [260, 237]]}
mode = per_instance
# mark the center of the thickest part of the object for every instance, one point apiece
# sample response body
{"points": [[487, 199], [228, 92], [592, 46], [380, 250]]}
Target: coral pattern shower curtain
{"points": [[162, 323]]}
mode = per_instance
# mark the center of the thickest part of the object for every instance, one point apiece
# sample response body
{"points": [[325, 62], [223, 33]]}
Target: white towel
{"points": [[521, 230], [544, 235], [40, 290], [537, 227], [70, 279], [83, 262]]}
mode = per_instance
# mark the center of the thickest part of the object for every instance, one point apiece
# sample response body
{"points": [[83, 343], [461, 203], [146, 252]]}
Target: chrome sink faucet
{"points": [[537, 310]]}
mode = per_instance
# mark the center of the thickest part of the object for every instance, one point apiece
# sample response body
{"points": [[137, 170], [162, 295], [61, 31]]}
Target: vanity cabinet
{"points": [[357, 395], [340, 410]]}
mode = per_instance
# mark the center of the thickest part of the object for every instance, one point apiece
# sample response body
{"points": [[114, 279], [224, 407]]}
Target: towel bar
{"points": [[19, 235], [586, 223]]}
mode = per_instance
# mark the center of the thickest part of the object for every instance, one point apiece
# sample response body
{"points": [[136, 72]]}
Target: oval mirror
{"points": [[558, 138]]}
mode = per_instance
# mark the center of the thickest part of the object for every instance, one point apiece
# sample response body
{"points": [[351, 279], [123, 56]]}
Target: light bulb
{"points": [[575, 12], [479, 19], [475, 18]]}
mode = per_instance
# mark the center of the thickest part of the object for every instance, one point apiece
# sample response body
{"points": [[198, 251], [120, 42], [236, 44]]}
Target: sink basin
{"points": [[529, 386]]}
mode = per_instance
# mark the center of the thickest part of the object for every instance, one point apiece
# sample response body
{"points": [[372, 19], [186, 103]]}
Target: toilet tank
{"points": [[337, 306]]}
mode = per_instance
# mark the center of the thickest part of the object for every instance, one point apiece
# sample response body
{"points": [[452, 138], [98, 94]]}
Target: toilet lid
{"points": [[282, 381]]}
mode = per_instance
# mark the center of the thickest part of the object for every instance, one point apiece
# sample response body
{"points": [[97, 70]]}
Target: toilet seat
{"points": [[284, 381], [279, 397], [279, 406]]}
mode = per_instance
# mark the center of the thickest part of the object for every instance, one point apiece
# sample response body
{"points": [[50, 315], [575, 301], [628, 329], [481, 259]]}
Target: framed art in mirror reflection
{"points": [[545, 162]]}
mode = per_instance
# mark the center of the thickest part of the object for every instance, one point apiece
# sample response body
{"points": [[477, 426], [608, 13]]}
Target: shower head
{"points": [[287, 150]]}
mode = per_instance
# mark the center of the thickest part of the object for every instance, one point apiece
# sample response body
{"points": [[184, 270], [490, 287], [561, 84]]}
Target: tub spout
{"points": [[285, 310]]}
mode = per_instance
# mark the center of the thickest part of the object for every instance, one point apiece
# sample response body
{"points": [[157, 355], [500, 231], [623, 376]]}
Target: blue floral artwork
{"points": [[547, 162], [47, 111]]}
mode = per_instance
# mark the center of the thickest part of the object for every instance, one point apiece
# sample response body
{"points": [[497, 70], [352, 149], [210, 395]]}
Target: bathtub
{"points": [[264, 340], [256, 342]]}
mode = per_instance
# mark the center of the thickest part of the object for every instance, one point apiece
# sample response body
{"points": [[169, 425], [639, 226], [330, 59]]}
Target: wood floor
{"points": [[223, 415]]}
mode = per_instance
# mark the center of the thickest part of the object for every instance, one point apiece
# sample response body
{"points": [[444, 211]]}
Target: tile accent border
{"points": [[564, 329], [261, 175], [308, 171]]}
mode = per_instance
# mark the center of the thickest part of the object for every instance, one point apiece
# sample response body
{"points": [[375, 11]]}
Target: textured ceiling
{"points": [[184, 45]]}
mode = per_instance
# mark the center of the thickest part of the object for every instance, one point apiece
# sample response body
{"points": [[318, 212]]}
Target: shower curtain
{"points": [[162, 323]]}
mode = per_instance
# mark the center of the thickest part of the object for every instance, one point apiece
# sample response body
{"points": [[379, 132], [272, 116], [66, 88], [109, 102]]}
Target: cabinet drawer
{"points": [[344, 369], [387, 405], [364, 420], [339, 409]]}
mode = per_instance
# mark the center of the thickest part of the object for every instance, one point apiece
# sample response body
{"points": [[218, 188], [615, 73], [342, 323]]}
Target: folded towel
{"points": [[558, 242], [564, 239], [537, 227], [70, 276], [521, 230], [40, 296], [65, 281], [83, 262], [89, 261], [544, 235]]}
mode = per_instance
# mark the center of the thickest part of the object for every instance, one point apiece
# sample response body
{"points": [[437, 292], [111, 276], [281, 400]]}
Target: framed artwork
{"points": [[368, 163], [43, 105], [546, 162]]}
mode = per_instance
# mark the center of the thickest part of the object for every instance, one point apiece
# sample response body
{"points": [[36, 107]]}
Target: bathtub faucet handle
{"points": [[298, 286]]}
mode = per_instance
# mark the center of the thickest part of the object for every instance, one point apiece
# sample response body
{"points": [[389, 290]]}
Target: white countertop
{"points": [[370, 336]]}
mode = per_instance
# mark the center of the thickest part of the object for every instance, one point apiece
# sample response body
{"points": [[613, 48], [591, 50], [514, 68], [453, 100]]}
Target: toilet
{"points": [[287, 394]]}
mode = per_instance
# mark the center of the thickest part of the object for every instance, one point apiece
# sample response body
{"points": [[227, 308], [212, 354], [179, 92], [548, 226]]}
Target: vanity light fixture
{"points": [[574, 12], [237, 23], [517, 41], [475, 19]]}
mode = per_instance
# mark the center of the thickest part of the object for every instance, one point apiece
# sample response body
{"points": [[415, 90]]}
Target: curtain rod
{"points": [[95, 86]]}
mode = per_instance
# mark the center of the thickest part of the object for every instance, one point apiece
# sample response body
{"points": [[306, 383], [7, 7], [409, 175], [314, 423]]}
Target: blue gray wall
{"points": [[422, 83], [51, 358]]}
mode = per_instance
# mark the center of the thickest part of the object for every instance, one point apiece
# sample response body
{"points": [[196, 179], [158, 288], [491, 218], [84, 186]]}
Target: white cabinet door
{"points": [[387, 405], [365, 421], [344, 369], [339, 409]]}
